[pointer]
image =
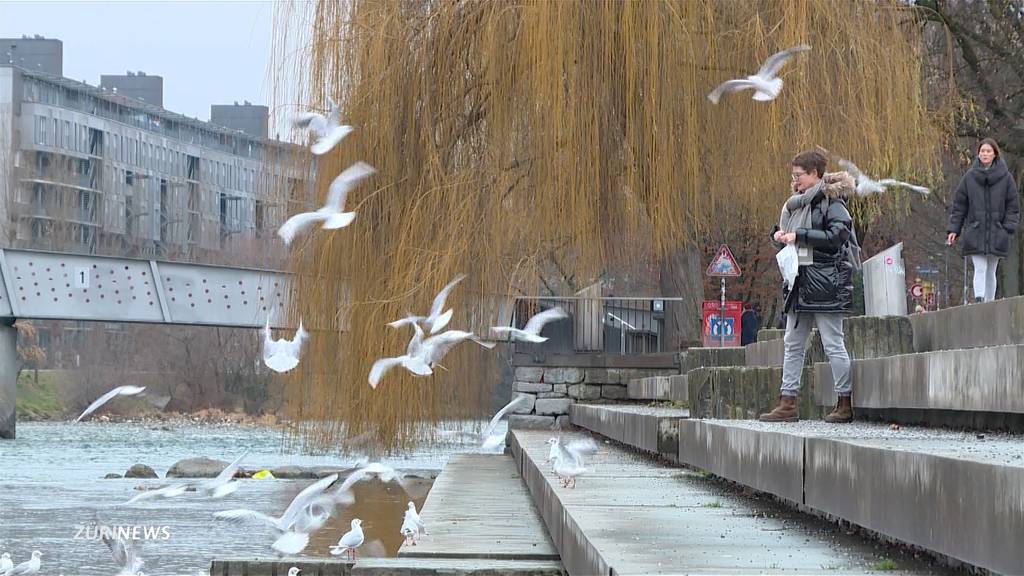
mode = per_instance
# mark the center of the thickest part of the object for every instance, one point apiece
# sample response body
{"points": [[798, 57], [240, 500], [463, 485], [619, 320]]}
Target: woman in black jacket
{"points": [[985, 213]]}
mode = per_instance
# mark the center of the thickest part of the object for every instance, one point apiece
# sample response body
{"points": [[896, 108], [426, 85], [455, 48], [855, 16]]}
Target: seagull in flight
{"points": [[866, 185], [119, 391], [422, 355], [327, 129], [124, 555], [490, 439], [332, 214], [5, 562], [438, 317], [307, 512], [531, 332], [282, 355], [766, 84]]}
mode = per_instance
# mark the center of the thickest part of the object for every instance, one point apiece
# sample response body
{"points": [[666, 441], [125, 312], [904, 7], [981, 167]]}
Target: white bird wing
{"points": [[291, 543], [851, 168], [242, 515], [441, 321], [902, 184], [229, 471], [536, 324], [409, 319], [305, 497], [352, 539], [519, 399], [329, 139], [298, 223], [435, 347], [310, 121], [381, 367], [281, 363], [342, 183], [776, 61], [294, 346], [119, 391], [124, 554], [576, 449], [438, 305], [731, 86]]}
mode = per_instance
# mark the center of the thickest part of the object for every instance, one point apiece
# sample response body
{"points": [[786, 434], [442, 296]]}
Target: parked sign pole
{"points": [[723, 266]]}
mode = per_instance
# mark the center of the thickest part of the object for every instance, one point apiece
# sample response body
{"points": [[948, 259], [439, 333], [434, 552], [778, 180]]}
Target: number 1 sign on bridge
{"points": [[723, 266]]}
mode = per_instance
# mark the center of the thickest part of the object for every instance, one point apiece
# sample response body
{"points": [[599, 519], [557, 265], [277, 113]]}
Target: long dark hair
{"points": [[992, 143]]}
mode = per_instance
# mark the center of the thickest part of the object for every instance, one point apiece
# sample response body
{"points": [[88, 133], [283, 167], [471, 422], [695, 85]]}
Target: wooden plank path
{"points": [[479, 508]]}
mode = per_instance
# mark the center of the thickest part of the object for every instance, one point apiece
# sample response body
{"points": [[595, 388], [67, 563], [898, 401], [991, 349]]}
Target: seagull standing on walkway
{"points": [[350, 541], [332, 214], [28, 567], [412, 525], [328, 129], [438, 318], [531, 332], [569, 460], [119, 391], [282, 355], [866, 185], [766, 84]]}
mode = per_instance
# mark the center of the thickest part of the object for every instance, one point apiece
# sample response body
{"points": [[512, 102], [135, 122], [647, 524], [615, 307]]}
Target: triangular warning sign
{"points": [[723, 264]]}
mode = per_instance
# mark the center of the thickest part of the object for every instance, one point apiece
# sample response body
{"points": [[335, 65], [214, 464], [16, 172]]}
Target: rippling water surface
{"points": [[52, 486]]}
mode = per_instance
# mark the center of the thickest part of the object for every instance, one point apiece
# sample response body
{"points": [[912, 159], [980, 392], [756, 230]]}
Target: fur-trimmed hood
{"points": [[838, 185]]}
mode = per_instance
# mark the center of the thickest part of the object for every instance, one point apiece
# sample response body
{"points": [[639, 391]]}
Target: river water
{"points": [[53, 494]]}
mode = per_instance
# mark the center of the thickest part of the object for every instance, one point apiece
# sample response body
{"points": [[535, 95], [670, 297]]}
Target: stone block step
{"points": [[983, 381], [665, 388], [997, 323], [651, 429]]}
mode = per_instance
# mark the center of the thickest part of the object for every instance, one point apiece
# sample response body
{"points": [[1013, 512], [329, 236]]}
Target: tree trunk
{"points": [[681, 276]]}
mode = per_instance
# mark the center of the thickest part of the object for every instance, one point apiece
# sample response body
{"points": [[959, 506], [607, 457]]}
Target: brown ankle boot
{"points": [[784, 412], [842, 413]]}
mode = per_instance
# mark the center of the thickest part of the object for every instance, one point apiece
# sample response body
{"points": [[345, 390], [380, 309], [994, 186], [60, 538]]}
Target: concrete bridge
{"points": [[60, 286]]}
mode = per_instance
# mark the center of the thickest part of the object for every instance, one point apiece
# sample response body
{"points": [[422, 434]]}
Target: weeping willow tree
{"points": [[518, 140]]}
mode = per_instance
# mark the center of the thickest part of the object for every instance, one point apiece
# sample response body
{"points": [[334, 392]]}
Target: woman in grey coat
{"points": [[985, 213]]}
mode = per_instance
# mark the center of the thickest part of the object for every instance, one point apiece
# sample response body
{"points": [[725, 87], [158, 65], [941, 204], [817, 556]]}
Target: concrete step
{"points": [[978, 387], [630, 514], [455, 567], [742, 392], [664, 388], [703, 357], [654, 430], [947, 492], [479, 508], [866, 337], [279, 567], [997, 323]]}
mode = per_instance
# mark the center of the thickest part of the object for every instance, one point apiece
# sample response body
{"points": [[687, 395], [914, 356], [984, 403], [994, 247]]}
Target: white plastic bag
{"points": [[789, 264]]}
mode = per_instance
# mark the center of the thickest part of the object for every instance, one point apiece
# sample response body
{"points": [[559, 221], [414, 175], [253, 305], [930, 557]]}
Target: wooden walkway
{"points": [[479, 508]]}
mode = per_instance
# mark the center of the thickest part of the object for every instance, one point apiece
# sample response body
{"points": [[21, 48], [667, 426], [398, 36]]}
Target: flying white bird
{"points": [[412, 525], [349, 541], [124, 555], [282, 355], [306, 511], [438, 317], [492, 440], [293, 571], [27, 567], [866, 185], [328, 130], [531, 332], [421, 356], [170, 491], [765, 84], [119, 391], [223, 484], [5, 562], [332, 214]]}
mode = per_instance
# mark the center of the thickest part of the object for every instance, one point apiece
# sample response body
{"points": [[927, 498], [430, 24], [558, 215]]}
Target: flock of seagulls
{"points": [[767, 85]]}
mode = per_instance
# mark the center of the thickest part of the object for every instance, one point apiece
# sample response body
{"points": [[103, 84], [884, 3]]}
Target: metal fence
{"points": [[597, 325]]}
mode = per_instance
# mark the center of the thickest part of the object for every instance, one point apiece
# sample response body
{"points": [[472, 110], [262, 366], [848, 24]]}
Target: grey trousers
{"points": [[798, 328]]}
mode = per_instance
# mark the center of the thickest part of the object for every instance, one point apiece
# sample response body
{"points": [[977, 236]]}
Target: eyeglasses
{"points": [[796, 175]]}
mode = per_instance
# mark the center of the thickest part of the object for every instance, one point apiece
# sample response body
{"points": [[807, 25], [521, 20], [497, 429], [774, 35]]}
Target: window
{"points": [[129, 178], [42, 130]]}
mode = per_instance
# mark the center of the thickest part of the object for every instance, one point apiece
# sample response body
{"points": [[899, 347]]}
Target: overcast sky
{"points": [[208, 52]]}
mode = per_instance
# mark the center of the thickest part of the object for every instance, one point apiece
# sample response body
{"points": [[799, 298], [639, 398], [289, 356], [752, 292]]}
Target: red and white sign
{"points": [[713, 326], [917, 290], [724, 264]]}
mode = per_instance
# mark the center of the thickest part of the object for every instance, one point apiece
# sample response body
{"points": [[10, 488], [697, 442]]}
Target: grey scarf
{"points": [[796, 213]]}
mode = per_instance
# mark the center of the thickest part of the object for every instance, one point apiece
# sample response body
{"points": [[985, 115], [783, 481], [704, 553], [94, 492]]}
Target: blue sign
{"points": [[716, 326]]}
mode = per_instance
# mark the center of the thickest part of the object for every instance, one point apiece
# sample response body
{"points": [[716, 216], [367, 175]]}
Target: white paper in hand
{"points": [[789, 264]]}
